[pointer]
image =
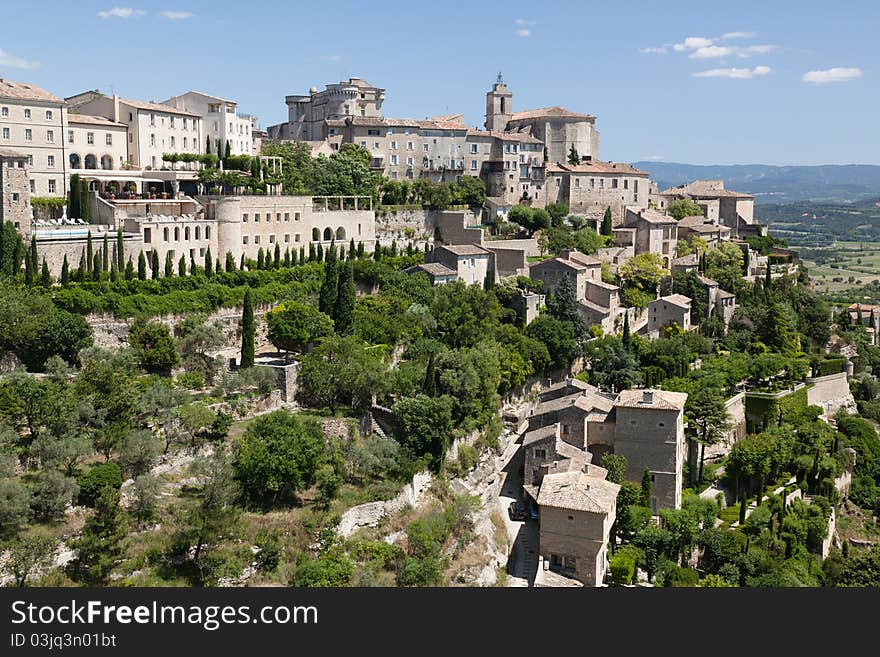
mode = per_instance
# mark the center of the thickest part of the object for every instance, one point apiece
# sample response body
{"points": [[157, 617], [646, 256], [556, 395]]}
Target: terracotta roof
{"points": [[603, 285], [557, 404], [862, 306], [156, 107], [504, 136], [595, 307], [703, 189], [662, 399], [590, 401], [690, 259], [464, 249], [655, 217], [569, 383], [457, 119], [596, 167], [549, 112], [705, 280], [432, 268], [540, 434], [92, 120], [8, 152], [676, 300], [578, 491], [26, 91], [336, 123], [724, 294]]}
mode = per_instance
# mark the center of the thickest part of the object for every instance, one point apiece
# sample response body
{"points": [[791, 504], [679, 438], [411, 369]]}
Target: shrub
{"points": [[91, 483], [622, 567]]}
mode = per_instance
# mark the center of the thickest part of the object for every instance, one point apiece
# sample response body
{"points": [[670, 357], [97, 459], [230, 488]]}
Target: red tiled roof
{"points": [[596, 166], [549, 112], [26, 91]]}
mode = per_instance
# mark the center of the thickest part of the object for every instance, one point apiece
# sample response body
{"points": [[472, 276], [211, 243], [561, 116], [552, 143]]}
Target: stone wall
{"points": [[831, 392], [369, 514], [53, 249], [405, 224]]}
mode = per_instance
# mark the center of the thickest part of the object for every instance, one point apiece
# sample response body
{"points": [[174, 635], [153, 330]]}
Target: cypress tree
{"points": [[181, 266], [409, 248], [96, 268], [302, 255], [627, 338], [73, 196], [85, 207], [28, 271], [193, 269], [65, 271], [89, 253], [320, 252], [311, 252], [114, 272], [742, 510], [351, 249], [154, 264], [81, 272], [341, 252], [217, 266], [393, 248], [228, 152], [105, 254], [377, 252], [129, 270], [169, 264], [247, 331], [427, 248], [260, 263], [2, 246], [768, 279], [277, 256], [17, 256], [287, 257], [207, 145], [120, 250], [35, 262], [360, 252], [209, 263], [607, 224], [241, 262], [343, 312], [230, 261], [329, 289], [142, 266], [646, 489]]}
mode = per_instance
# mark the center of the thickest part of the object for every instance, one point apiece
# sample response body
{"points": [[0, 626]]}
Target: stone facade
{"points": [[470, 262], [95, 142], [308, 112], [648, 231], [669, 310], [220, 121], [589, 188], [14, 190]]}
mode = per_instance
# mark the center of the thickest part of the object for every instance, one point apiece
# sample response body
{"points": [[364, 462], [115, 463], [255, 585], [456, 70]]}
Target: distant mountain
{"points": [[830, 183]]}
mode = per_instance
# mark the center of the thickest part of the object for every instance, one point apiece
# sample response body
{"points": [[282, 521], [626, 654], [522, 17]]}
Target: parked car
{"points": [[517, 511]]}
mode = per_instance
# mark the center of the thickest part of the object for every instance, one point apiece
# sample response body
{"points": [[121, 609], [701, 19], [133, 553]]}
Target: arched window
{"points": [[340, 233], [316, 235], [106, 162], [328, 234], [198, 232], [75, 161], [176, 233], [186, 233], [207, 232], [91, 162], [165, 233]]}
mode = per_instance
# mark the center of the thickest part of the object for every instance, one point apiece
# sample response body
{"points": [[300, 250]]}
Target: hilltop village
{"points": [[354, 349]]}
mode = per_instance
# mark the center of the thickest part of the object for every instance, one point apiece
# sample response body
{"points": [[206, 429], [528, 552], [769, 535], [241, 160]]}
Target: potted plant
{"points": [[111, 190], [164, 194], [153, 191]]}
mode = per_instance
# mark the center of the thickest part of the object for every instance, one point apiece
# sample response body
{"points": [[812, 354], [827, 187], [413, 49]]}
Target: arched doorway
{"points": [[91, 162], [340, 233], [106, 162], [328, 234], [75, 161], [316, 235]]}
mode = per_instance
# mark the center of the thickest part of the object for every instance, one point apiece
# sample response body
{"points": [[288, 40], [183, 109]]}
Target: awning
{"points": [[108, 175]]}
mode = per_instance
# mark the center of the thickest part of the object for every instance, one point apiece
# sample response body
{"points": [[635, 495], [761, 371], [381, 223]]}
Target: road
{"points": [[522, 563]]}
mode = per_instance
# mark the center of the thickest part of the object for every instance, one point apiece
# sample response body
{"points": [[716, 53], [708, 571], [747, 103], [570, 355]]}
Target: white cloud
{"points": [[522, 32], [729, 36], [332, 58], [734, 73], [654, 158], [12, 61], [523, 22], [712, 52], [836, 74], [660, 50], [176, 15], [121, 12], [692, 43]]}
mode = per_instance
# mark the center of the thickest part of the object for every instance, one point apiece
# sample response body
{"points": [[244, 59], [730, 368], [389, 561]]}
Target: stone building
{"points": [[589, 188], [867, 315], [95, 143], [307, 113], [673, 309], [648, 231], [470, 262], [221, 121], [732, 209], [577, 511], [711, 232], [437, 273], [153, 128], [14, 189], [32, 122]]}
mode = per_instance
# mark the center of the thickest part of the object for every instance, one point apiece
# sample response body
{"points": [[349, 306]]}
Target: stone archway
{"points": [[91, 162], [316, 235], [340, 233], [75, 161], [106, 162], [328, 234]]}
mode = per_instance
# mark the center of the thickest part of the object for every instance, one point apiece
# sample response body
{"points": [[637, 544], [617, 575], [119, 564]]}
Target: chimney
{"points": [[647, 396]]}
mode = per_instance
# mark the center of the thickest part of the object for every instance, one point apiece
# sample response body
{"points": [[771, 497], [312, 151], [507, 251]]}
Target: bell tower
{"points": [[499, 106]]}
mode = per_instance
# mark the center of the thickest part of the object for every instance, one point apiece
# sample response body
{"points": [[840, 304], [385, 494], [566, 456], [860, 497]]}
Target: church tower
{"points": [[499, 106]]}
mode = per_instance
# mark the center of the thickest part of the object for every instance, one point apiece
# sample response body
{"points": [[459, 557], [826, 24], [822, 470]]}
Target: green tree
{"points": [[248, 330], [154, 265], [120, 250], [100, 547], [425, 426], [181, 266], [573, 155], [230, 262], [105, 254], [31, 554], [142, 267], [278, 456], [154, 345], [96, 479], [684, 207], [15, 506], [341, 370], [343, 312], [607, 225], [209, 263], [45, 276], [129, 269], [293, 325], [89, 252], [65, 272], [330, 286], [708, 420]]}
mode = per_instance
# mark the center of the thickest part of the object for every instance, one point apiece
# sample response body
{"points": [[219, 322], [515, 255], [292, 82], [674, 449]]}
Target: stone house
{"points": [[220, 120], [470, 262], [732, 209], [14, 190], [711, 232], [437, 273], [867, 315], [648, 231], [668, 310], [590, 187]]}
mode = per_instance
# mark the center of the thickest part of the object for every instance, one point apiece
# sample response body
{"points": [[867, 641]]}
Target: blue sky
{"points": [[703, 82]]}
